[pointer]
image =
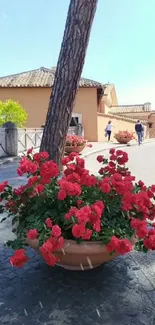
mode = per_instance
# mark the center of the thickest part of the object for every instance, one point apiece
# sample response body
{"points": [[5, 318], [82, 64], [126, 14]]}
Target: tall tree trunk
{"points": [[69, 68]]}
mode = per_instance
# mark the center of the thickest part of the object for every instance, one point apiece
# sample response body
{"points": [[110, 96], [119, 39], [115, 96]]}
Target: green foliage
{"points": [[11, 111]]}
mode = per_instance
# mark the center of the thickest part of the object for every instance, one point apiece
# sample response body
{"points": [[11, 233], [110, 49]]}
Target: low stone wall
{"points": [[15, 141]]}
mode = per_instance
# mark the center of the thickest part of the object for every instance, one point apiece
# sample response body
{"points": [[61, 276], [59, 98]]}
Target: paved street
{"points": [[121, 292], [141, 162]]}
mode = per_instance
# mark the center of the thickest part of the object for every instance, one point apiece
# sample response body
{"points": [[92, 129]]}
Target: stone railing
{"points": [[15, 141]]}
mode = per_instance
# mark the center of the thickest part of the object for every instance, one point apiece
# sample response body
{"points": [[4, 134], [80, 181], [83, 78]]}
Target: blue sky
{"points": [[121, 48]]}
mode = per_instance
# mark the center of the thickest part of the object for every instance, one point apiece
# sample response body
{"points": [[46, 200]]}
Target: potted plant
{"points": [[124, 137], [78, 221], [75, 143]]}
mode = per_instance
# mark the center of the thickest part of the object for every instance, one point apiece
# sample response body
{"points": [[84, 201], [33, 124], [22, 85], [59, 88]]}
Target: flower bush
{"points": [[75, 141], [110, 208], [124, 135]]}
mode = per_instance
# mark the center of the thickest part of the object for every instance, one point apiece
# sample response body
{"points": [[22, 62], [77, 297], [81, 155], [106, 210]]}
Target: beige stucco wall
{"points": [[108, 100], [118, 123], [35, 101]]}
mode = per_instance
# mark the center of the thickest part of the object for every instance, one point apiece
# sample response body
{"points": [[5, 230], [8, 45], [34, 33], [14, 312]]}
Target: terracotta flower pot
{"points": [[123, 140], [78, 149], [84, 256]]}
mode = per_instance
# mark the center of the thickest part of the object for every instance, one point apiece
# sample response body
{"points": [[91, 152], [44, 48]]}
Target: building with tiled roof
{"points": [[42, 77], [140, 111], [32, 89], [95, 103]]}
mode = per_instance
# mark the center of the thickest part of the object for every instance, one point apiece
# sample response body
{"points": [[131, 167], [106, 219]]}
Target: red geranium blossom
{"points": [[49, 223], [56, 231], [3, 186], [32, 234], [19, 258]]}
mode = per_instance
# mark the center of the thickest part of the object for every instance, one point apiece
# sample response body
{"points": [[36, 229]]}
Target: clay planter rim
{"points": [[71, 246], [69, 149], [123, 140], [80, 257]]}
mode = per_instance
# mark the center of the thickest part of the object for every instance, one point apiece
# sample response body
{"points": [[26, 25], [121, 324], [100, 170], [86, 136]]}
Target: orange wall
{"points": [[118, 123], [35, 101]]}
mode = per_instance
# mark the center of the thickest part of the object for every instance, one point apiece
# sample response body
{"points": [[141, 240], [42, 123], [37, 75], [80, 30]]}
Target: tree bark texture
{"points": [[69, 68]]}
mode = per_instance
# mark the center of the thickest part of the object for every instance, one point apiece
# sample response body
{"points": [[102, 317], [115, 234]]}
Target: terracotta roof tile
{"points": [[42, 77], [123, 109]]}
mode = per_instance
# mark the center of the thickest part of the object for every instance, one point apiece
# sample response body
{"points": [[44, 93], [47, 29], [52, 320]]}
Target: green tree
{"points": [[11, 111]]}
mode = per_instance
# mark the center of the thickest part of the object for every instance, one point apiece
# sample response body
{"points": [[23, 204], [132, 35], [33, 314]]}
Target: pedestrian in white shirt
{"points": [[108, 130]]}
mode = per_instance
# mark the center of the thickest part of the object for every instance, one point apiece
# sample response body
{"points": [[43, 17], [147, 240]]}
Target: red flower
{"points": [[32, 180], [3, 186], [153, 188], [19, 258], [119, 153], [56, 231], [39, 188], [32, 234], [97, 209], [113, 157], [72, 212], [142, 232], [40, 156], [72, 155], [79, 203], [79, 231], [74, 177], [65, 161], [48, 223], [48, 170], [136, 223], [75, 140], [88, 180], [101, 171], [87, 234], [100, 159], [105, 187], [112, 151], [150, 194], [152, 232], [149, 242], [100, 204], [20, 190], [140, 183], [97, 226], [71, 189], [76, 231], [27, 166], [113, 244], [62, 195], [29, 151], [50, 259], [47, 246], [71, 167], [112, 164], [124, 246], [59, 243], [80, 162]]}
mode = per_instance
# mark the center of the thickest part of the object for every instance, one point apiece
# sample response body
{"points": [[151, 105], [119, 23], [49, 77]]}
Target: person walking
{"points": [[108, 130], [139, 130]]}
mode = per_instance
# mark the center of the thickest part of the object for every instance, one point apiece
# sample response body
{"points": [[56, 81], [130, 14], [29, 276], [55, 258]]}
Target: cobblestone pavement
{"points": [[121, 292]]}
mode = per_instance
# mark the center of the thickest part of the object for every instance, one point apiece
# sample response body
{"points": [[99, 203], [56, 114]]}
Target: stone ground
{"points": [[121, 292]]}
